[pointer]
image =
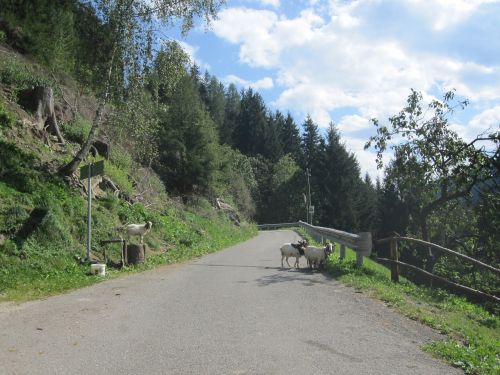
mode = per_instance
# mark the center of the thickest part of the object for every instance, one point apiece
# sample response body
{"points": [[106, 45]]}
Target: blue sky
{"points": [[349, 61]]}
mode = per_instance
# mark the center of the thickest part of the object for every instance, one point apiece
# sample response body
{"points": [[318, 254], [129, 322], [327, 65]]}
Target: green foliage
{"points": [[121, 158], [48, 29], [119, 176], [335, 176], [252, 133], [235, 180], [284, 187], [21, 76], [134, 124], [188, 142], [77, 130], [3, 36], [169, 67], [6, 119], [431, 188]]}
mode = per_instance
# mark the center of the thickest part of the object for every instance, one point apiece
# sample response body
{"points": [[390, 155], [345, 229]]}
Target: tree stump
{"points": [[41, 101], [101, 147], [135, 254]]}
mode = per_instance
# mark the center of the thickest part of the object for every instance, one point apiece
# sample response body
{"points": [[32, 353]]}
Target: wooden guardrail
{"points": [[361, 243], [276, 226], [395, 263]]}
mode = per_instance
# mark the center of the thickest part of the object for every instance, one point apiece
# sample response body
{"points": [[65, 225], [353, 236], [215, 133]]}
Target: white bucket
{"points": [[98, 269]]}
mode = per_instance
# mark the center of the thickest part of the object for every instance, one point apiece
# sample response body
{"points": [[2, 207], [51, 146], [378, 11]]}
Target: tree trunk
{"points": [[41, 101], [72, 166]]}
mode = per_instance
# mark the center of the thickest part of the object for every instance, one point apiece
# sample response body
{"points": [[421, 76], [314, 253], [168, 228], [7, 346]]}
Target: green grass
{"points": [[473, 334], [77, 130], [20, 76]]}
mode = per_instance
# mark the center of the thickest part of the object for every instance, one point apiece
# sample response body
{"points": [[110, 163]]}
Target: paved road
{"points": [[232, 312]]}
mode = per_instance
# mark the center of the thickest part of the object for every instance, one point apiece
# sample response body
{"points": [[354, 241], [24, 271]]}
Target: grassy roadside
{"points": [[43, 220], [179, 236], [473, 334]]}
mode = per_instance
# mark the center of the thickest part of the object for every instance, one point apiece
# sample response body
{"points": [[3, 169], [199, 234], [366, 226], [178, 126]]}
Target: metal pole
{"points": [[309, 196], [89, 210]]}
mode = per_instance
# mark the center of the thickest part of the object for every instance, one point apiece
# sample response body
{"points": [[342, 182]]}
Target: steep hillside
{"points": [[43, 216]]}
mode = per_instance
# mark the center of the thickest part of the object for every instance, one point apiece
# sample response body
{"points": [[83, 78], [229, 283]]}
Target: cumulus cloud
{"points": [[261, 84], [323, 64], [191, 52], [353, 123], [488, 119], [446, 13], [273, 3]]}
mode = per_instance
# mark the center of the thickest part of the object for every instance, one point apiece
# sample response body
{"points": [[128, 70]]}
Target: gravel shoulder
{"points": [[231, 312]]}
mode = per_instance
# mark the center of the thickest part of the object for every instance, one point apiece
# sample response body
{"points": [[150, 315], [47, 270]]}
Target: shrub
{"points": [[119, 176], [121, 158], [21, 76], [77, 130], [6, 119]]}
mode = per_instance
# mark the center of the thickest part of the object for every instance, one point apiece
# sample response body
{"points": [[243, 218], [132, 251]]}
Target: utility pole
{"points": [[309, 214]]}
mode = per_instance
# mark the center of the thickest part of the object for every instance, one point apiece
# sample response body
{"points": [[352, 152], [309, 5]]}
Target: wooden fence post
{"points": [[359, 259], [394, 256]]}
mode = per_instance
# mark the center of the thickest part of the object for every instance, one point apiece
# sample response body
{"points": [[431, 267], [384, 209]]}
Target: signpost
{"points": [[88, 171]]}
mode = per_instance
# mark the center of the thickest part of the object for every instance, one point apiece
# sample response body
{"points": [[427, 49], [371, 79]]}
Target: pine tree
{"points": [[309, 143], [231, 115], [216, 102], [188, 142], [251, 125], [289, 135], [273, 148], [340, 184]]}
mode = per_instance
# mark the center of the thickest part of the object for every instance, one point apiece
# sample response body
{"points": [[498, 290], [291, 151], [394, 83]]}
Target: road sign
{"points": [[95, 169], [88, 171]]}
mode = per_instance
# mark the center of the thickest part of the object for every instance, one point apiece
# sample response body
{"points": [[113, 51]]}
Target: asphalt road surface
{"points": [[232, 312]]}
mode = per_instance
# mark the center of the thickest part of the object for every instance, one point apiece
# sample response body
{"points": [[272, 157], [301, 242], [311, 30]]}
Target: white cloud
{"points": [[323, 66], [273, 3], [261, 84], [353, 123], [366, 158], [191, 51], [488, 119], [446, 13]]}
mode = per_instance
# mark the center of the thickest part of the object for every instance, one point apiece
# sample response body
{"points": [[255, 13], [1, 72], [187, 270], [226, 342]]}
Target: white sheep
{"points": [[316, 256], [138, 229], [292, 250]]}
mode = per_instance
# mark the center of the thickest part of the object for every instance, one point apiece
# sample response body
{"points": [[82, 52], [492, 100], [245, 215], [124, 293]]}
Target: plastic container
{"points": [[98, 269]]}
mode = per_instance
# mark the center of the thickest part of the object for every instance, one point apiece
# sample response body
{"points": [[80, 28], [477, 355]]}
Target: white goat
{"points": [[138, 230], [316, 256], [292, 250]]}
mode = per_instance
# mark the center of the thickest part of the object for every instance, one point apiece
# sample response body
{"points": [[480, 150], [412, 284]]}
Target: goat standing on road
{"points": [[316, 256], [294, 250]]}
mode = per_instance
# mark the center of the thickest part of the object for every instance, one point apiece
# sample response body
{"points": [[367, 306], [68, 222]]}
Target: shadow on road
{"points": [[235, 265], [304, 275]]}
